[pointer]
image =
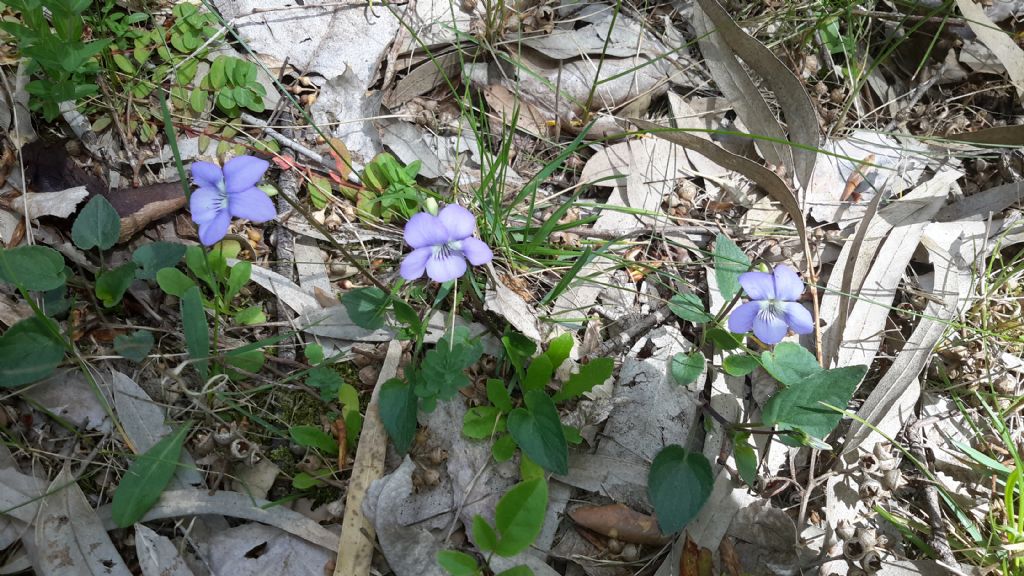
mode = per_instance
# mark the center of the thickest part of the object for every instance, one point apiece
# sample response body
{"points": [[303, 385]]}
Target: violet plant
{"points": [[804, 410], [226, 193]]}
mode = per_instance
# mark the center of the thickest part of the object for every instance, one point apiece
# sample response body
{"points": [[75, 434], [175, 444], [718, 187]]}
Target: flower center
{"points": [[447, 249], [773, 306]]}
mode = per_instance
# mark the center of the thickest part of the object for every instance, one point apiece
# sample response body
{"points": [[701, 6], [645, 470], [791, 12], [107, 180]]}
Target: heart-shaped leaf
{"points": [[97, 225], [538, 431], [802, 405], [678, 485]]}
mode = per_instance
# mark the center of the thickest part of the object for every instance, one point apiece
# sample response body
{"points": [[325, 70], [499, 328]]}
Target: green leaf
{"points": [[686, 368], [457, 563], [482, 421], [538, 431], [504, 448], [443, 369], [801, 406], [498, 395], [538, 375], [134, 346], [29, 352], [519, 516], [789, 363], [519, 349], [151, 258], [739, 365], [746, 459], [406, 315], [97, 225], [199, 265], [197, 100], [112, 284], [326, 380], [724, 340], [34, 268], [124, 64], [237, 279], [730, 262], [251, 315], [249, 360], [559, 349], [197, 333], [313, 437], [216, 75], [591, 374], [367, 307], [305, 481], [146, 478], [483, 534], [398, 406], [314, 353], [678, 485], [689, 308]]}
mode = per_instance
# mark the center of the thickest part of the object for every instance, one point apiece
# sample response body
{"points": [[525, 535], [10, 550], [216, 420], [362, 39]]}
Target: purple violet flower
{"points": [[442, 244], [773, 309], [226, 193]]}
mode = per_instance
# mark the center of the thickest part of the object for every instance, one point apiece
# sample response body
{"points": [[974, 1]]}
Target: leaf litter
{"points": [[893, 228]]}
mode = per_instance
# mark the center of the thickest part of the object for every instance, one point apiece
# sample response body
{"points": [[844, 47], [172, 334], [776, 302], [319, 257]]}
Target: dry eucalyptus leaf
{"points": [[178, 503], [999, 42], [255, 550], [57, 204], [69, 535], [69, 395], [501, 300], [796, 105], [158, 556], [409, 550], [625, 39]]}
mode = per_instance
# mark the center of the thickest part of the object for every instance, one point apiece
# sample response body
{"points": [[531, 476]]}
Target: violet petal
{"points": [[459, 222], [798, 318], [205, 204], [424, 230], [445, 268], [207, 175], [415, 263], [770, 328], [213, 231], [758, 285], [252, 204], [476, 251], [242, 172], [788, 285], [741, 320]]}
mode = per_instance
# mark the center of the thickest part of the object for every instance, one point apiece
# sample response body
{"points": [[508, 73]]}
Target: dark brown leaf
{"points": [[620, 522]]}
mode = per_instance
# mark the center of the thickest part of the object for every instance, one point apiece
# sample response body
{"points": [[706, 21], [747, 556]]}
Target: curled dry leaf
{"points": [[999, 42], [620, 522], [57, 204]]}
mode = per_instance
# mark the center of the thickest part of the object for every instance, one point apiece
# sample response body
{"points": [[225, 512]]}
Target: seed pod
{"points": [[870, 489], [868, 538], [853, 550], [223, 435], [845, 529], [871, 562], [242, 449]]}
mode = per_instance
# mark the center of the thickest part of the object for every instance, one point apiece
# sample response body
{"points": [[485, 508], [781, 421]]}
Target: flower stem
{"points": [[455, 301]]}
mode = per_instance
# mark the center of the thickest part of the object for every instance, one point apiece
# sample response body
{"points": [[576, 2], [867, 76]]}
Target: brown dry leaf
{"points": [[730, 560], [504, 104], [695, 561], [789, 91], [424, 78], [999, 42], [620, 522]]}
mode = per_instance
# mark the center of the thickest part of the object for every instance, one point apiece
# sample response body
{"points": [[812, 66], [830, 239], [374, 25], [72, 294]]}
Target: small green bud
{"points": [[430, 205]]}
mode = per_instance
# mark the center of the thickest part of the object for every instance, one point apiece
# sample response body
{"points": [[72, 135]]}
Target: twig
{"points": [[938, 539], [896, 16], [284, 242], [624, 338]]}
